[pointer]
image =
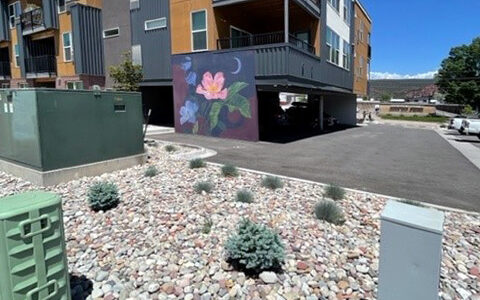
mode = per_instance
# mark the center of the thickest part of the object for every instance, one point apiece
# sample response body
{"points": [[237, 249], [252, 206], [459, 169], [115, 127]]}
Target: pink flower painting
{"points": [[212, 86]]}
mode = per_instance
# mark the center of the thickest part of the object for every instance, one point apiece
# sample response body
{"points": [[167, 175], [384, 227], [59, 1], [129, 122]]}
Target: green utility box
{"points": [[33, 263], [50, 129]]}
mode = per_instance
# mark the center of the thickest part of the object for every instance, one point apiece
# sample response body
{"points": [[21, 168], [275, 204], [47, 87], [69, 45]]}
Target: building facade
{"points": [[51, 43], [363, 50]]}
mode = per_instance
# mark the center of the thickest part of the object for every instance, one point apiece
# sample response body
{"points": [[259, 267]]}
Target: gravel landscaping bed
{"points": [[152, 245]]}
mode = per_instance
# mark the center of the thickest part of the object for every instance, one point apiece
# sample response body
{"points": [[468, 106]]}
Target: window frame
{"points": [[347, 54], [334, 44], [111, 36], [74, 85], [337, 8], [201, 30], [135, 62], [64, 6], [16, 55], [68, 47], [154, 20], [14, 16], [347, 15]]}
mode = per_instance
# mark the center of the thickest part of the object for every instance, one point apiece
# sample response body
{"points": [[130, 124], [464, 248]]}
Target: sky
{"points": [[410, 38]]}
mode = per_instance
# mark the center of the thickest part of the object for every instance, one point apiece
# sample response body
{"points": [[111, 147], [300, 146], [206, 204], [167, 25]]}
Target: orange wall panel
{"points": [[360, 82], [65, 25], [16, 72]]}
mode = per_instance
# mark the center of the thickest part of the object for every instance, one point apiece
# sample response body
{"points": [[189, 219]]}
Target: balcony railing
{"points": [[262, 39], [5, 69], [32, 20], [41, 66]]}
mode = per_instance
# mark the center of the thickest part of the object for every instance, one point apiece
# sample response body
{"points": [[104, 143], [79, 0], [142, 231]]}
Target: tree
{"points": [[385, 97], [459, 75], [126, 75]]}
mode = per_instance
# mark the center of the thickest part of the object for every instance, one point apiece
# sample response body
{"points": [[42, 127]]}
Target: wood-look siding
{"points": [[360, 82]]}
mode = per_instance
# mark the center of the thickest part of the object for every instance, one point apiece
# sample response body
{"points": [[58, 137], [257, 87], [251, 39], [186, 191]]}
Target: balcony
{"points": [[5, 70], [32, 21], [311, 6], [263, 39], [41, 66]]}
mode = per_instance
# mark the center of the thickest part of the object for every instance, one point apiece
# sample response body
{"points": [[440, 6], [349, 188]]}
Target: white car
{"points": [[456, 123], [471, 126]]}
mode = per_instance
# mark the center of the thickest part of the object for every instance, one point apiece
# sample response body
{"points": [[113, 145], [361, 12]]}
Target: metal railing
{"points": [[301, 44], [32, 20], [5, 68], [41, 64]]}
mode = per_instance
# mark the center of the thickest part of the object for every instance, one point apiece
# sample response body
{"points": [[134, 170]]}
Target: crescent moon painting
{"points": [[239, 66]]}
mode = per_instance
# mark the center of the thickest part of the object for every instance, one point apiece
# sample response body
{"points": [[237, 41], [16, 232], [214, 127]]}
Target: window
{"points": [[335, 4], [61, 6], [5, 85], [346, 12], [75, 85], [112, 32], [360, 68], [360, 31], [23, 85], [155, 24], [199, 30], [137, 55], [333, 46], [347, 54], [17, 55], [67, 47], [13, 13], [134, 4]]}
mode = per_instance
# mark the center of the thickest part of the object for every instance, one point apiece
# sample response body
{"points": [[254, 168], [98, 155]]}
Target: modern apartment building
{"points": [[363, 50], [216, 67], [51, 43]]}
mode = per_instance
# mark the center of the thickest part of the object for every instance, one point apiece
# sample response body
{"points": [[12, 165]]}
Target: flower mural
{"points": [[221, 103]]}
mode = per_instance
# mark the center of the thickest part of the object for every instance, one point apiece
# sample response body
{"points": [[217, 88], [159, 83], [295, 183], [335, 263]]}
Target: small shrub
{"points": [[334, 192], [203, 186], [244, 196], [229, 170], [255, 248], [151, 171], [329, 211], [103, 196], [207, 226], [197, 163], [272, 182], [170, 148]]}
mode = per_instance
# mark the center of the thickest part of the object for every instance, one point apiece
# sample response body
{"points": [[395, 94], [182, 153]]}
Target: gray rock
{"points": [[268, 277]]}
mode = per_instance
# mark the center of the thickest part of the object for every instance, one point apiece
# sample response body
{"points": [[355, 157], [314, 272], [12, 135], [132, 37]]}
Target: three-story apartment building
{"points": [[51, 43], [363, 50]]}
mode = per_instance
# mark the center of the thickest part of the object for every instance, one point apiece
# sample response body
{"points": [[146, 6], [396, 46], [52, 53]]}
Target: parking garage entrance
{"points": [[158, 100]]}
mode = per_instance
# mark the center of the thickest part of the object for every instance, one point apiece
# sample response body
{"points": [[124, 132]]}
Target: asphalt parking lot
{"points": [[410, 163]]}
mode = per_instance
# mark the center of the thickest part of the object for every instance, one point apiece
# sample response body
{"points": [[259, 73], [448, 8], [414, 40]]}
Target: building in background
{"points": [[363, 50], [51, 43]]}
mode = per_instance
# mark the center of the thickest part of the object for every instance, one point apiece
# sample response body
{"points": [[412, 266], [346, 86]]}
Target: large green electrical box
{"points": [[33, 263], [49, 129]]}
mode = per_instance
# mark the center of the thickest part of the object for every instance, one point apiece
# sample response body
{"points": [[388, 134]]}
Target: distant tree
{"points": [[385, 97], [127, 75], [459, 75], [467, 110]]}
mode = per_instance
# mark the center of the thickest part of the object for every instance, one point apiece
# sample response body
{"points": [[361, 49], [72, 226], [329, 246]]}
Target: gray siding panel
{"points": [[87, 40], [4, 29], [156, 45], [21, 46], [50, 13]]}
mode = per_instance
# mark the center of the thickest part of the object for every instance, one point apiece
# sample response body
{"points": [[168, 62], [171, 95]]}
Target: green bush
{"points": [[197, 163], [103, 196], [244, 196], [334, 192], [207, 226], [229, 170], [151, 171], [170, 148], [255, 248], [203, 186], [272, 182], [328, 210]]}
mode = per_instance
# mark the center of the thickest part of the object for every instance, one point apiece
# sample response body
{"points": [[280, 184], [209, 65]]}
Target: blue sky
{"points": [[413, 36]]}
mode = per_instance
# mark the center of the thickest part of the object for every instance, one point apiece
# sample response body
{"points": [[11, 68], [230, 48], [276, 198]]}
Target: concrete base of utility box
{"points": [[54, 177]]}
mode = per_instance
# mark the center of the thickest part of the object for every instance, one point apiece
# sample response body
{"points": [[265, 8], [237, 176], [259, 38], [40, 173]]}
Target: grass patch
{"points": [[244, 196], [229, 170], [197, 163], [151, 171], [272, 182], [329, 211], [334, 192], [170, 148], [429, 118], [203, 186]]}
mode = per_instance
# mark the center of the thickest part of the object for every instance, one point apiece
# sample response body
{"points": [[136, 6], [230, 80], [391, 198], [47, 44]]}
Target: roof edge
{"points": [[364, 10]]}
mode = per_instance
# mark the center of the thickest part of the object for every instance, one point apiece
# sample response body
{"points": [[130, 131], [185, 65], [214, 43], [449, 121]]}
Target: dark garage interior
{"points": [[160, 101]]}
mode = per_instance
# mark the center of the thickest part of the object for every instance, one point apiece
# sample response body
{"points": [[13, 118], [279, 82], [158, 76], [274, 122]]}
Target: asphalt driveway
{"points": [[409, 163]]}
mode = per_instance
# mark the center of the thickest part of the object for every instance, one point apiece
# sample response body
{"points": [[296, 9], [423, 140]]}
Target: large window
{"points": [[67, 47], [199, 30], [346, 12], [17, 55], [347, 54], [61, 6], [333, 46], [12, 13], [335, 4], [155, 24], [137, 55]]}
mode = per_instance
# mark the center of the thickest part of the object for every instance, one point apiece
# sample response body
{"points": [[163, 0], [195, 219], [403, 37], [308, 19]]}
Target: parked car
{"points": [[456, 123], [471, 126]]}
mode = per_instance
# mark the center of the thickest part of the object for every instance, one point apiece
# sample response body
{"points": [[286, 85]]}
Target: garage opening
{"points": [[159, 100]]}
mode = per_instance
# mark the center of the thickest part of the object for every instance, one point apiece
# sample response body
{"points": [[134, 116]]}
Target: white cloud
{"points": [[387, 75]]}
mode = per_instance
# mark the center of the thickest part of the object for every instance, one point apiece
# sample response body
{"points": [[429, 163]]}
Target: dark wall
{"points": [[4, 31], [156, 45], [116, 13], [87, 39]]}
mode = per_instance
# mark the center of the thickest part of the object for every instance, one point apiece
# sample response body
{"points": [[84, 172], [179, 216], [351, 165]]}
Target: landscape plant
{"points": [[229, 170], [103, 196], [334, 192], [203, 186], [197, 163], [272, 182], [170, 148], [329, 211], [151, 171], [255, 248], [128, 75], [207, 226], [244, 196]]}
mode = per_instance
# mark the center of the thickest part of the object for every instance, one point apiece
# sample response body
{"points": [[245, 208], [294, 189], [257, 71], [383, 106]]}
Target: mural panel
{"points": [[215, 94]]}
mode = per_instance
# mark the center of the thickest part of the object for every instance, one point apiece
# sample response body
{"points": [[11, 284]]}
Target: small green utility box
{"points": [[33, 263]]}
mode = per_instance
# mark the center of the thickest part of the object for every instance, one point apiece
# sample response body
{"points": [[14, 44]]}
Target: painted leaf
{"points": [[241, 103], [236, 87], [214, 112]]}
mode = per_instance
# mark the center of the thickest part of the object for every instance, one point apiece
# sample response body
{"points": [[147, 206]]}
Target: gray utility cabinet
{"points": [[410, 252]]}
